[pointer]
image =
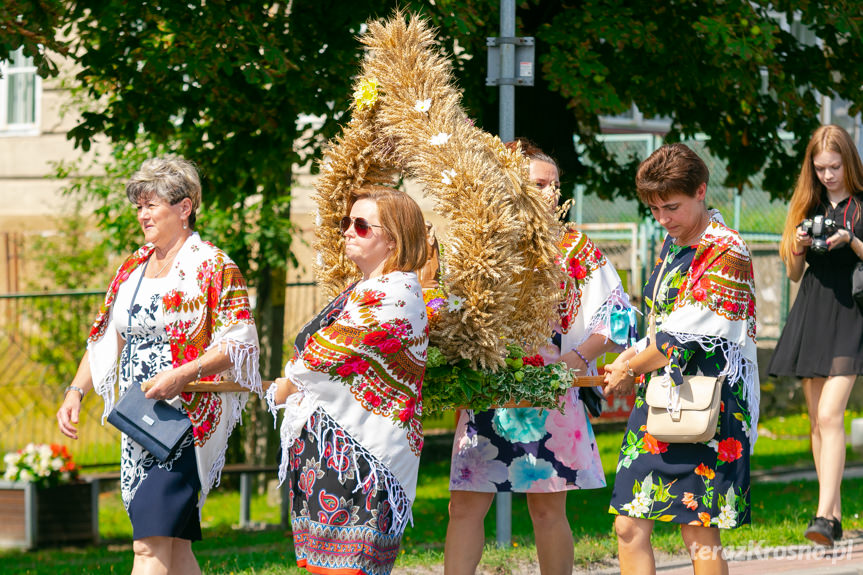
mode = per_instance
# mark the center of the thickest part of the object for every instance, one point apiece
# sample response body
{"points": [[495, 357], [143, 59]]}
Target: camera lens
{"points": [[819, 246]]}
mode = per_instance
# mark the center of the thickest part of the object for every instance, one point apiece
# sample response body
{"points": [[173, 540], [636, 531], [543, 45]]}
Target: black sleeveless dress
{"points": [[823, 336]]}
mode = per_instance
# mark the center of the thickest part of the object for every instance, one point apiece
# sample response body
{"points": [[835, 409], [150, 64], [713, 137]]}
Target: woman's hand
{"points": [[167, 384], [574, 361], [617, 381], [840, 238], [801, 240], [67, 415], [285, 388]]}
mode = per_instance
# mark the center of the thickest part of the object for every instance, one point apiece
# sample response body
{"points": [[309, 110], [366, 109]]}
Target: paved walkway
{"points": [[846, 558]]}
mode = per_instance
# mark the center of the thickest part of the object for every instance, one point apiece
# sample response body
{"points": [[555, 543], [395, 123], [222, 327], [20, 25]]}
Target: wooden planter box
{"points": [[37, 517]]}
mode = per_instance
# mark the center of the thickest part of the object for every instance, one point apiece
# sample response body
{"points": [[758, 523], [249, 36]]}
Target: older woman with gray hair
{"points": [[177, 311]]}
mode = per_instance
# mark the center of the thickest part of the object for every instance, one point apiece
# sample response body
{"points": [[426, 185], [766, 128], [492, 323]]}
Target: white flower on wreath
{"points": [[439, 139], [423, 105], [447, 176], [454, 303]]}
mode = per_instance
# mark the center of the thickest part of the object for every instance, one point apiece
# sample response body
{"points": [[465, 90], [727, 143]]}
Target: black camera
{"points": [[819, 229]]}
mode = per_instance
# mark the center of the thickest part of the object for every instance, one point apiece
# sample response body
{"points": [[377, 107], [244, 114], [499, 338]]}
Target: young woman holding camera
{"points": [[822, 341]]}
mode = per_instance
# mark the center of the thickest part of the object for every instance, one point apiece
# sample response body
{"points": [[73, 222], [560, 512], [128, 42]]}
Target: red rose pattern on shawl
{"points": [[721, 279], [126, 269], [581, 258], [375, 362]]}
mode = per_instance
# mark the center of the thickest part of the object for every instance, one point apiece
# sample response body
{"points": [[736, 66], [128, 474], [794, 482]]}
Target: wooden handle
{"points": [[587, 380], [224, 386]]}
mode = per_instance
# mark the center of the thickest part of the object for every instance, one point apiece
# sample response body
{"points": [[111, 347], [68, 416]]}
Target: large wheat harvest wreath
{"points": [[500, 268]]}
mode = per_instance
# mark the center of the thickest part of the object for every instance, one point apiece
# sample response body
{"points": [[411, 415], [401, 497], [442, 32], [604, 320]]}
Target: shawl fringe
{"points": [[325, 431], [105, 388], [600, 322], [236, 403], [245, 361]]}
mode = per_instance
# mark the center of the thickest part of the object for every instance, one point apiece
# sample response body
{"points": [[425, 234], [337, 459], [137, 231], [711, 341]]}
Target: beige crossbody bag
{"points": [[694, 418]]}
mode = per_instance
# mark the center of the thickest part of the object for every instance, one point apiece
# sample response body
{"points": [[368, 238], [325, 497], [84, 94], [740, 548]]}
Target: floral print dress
{"points": [[530, 450], [705, 484], [167, 502]]}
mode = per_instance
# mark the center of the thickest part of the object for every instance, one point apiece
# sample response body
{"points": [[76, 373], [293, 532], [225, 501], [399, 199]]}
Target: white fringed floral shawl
{"points": [[208, 307], [365, 372], [595, 301], [715, 307]]}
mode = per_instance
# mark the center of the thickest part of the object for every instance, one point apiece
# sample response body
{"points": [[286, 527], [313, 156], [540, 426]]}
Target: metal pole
{"points": [[503, 501], [507, 67], [245, 499], [738, 206]]}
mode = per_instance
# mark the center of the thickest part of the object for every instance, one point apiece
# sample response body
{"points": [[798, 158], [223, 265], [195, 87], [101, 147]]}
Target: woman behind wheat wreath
{"points": [[536, 451], [705, 317], [822, 341], [190, 319]]}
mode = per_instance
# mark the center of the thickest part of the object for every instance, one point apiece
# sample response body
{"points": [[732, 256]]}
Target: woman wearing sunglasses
{"points": [[351, 434], [535, 451]]}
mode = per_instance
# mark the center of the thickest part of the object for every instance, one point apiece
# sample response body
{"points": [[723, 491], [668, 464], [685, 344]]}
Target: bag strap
{"points": [[651, 318], [131, 315]]}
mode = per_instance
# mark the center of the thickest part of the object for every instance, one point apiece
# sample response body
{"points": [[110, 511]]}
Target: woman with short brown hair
{"points": [[702, 296]]}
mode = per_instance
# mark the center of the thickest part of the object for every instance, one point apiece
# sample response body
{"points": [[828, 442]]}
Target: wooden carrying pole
{"points": [[226, 386], [217, 386]]}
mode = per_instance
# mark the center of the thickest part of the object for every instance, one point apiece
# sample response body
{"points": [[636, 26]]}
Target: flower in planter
{"points": [[42, 464]]}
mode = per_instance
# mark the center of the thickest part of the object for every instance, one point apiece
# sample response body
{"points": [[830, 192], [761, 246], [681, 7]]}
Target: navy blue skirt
{"points": [[166, 501]]}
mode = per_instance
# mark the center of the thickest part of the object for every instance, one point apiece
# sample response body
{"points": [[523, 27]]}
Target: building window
{"points": [[20, 95]]}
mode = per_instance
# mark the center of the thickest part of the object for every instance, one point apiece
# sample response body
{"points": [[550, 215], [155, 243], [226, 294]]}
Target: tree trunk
{"points": [[260, 439]]}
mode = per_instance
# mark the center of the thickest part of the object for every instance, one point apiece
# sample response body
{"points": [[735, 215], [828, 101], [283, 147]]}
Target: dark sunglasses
{"points": [[361, 226]]}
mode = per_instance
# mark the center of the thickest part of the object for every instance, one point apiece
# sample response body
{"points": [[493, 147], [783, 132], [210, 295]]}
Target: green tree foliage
{"points": [[724, 69], [224, 83], [32, 25]]}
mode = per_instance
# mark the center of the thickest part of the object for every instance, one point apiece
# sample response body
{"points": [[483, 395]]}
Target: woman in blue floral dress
{"points": [[705, 317]]}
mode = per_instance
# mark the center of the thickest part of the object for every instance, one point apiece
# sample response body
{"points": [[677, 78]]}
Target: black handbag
{"points": [[857, 285], [155, 424]]}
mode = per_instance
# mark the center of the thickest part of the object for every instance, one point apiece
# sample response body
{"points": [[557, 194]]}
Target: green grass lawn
{"points": [[780, 513]]}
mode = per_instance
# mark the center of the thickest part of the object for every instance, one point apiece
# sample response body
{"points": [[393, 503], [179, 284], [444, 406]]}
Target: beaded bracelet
{"points": [[581, 355], [200, 369]]}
